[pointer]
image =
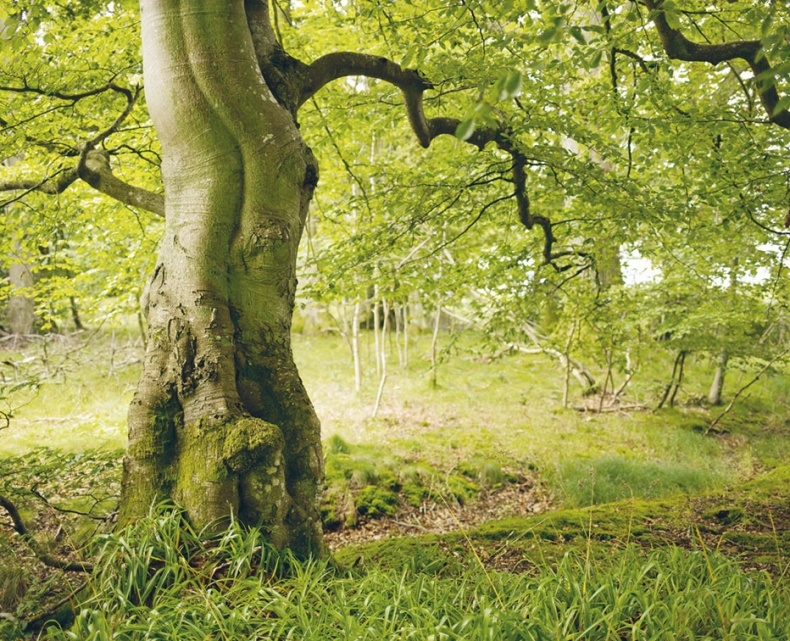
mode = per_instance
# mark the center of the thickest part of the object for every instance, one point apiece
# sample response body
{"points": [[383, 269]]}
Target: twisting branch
{"points": [[678, 47], [413, 85], [93, 165], [41, 555]]}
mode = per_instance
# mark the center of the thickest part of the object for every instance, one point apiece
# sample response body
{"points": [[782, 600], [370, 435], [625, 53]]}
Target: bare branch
{"points": [[96, 171], [679, 47], [72, 97], [41, 555], [347, 63], [48, 185]]}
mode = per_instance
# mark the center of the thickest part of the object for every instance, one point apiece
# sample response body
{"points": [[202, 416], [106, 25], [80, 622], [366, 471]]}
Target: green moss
{"points": [[376, 501], [462, 488], [247, 441], [750, 521], [414, 493]]}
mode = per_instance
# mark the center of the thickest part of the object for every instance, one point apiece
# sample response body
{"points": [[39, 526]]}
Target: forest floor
{"points": [[487, 464]]}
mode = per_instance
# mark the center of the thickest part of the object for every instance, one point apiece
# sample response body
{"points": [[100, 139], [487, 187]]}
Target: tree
{"points": [[221, 421]]}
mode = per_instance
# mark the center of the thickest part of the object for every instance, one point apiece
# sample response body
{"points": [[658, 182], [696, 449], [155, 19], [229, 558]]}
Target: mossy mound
{"points": [[749, 523], [363, 481]]}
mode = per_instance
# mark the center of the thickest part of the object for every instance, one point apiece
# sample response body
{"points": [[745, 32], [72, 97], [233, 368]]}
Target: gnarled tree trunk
{"points": [[221, 421]]}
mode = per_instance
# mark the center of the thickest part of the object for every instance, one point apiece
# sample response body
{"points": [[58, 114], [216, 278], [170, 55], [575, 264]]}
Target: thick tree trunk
{"points": [[221, 422]]}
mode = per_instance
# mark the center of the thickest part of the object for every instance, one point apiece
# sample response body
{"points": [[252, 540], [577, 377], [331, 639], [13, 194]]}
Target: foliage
{"points": [[161, 578]]}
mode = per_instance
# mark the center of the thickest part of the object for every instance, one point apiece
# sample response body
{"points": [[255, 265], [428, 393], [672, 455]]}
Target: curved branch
{"points": [[41, 555], [97, 173], [343, 64], [94, 170], [93, 166], [679, 47]]}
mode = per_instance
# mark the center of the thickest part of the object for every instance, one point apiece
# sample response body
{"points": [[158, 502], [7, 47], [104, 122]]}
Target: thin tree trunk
{"points": [[434, 344], [679, 379], [671, 384], [406, 334], [566, 383], [714, 395], [75, 314], [355, 347], [383, 379], [21, 308], [630, 370], [398, 330], [376, 332]]}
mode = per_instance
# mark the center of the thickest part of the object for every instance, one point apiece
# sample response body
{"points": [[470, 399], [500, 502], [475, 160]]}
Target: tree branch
{"points": [[343, 64], [347, 63], [94, 170], [93, 166], [41, 555], [679, 47]]}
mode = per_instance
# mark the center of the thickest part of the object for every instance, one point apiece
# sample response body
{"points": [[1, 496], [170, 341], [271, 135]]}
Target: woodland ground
{"points": [[485, 469]]}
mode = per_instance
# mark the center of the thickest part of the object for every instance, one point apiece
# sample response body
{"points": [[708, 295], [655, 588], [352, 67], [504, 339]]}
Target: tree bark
{"points": [[21, 307], [714, 395], [221, 422]]}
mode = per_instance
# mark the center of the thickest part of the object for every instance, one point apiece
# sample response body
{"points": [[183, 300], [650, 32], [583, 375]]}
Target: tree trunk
{"points": [[21, 307], [714, 396], [221, 422]]}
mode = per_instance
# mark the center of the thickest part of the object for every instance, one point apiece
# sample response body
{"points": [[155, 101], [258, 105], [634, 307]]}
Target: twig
{"points": [[64, 510], [39, 619]]}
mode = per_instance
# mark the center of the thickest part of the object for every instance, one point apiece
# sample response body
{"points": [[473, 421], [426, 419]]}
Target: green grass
{"points": [[506, 412], [610, 572], [159, 579], [610, 478]]}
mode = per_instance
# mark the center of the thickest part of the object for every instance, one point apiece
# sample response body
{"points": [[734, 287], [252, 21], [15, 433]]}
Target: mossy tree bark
{"points": [[221, 422]]}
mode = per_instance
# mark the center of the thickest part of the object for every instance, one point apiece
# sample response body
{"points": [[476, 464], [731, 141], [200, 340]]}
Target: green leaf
{"points": [[548, 35], [511, 86], [409, 57], [782, 105], [577, 33], [673, 18], [465, 129], [767, 23]]}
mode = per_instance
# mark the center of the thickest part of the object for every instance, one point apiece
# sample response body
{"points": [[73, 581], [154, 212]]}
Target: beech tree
{"points": [[221, 421]]}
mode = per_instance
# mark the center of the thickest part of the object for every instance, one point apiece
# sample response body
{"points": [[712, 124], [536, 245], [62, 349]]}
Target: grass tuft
{"points": [[611, 478]]}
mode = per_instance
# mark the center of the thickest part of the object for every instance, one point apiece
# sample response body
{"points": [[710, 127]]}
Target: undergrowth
{"points": [[610, 478], [162, 580]]}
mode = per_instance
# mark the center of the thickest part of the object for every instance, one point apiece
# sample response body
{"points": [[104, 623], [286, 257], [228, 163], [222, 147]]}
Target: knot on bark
{"points": [[250, 442]]}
